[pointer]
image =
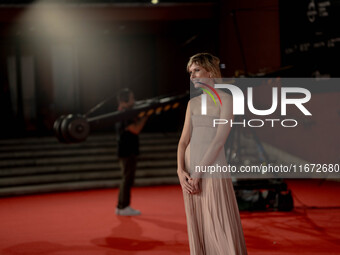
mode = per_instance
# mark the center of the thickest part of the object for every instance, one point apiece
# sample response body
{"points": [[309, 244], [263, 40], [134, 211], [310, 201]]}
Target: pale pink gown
{"points": [[213, 219]]}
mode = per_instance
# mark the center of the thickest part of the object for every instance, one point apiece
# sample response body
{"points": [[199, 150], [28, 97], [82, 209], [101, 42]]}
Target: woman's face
{"points": [[198, 73]]}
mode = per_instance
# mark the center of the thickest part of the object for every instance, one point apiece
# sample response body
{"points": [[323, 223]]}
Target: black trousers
{"points": [[128, 169]]}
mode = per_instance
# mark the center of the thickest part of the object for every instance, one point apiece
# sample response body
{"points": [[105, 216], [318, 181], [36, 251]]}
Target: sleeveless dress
{"points": [[213, 219]]}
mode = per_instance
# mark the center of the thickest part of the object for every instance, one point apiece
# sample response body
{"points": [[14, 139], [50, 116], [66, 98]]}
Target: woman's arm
{"points": [[222, 132], [183, 175], [218, 142]]}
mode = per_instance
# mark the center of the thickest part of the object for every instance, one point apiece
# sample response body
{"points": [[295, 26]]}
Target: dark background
{"points": [[67, 57]]}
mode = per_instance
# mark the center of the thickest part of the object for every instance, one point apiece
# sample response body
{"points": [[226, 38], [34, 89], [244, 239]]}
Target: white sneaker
{"points": [[127, 211]]}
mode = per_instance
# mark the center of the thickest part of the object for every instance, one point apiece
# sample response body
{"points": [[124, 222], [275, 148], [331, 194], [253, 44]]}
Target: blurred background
{"points": [[60, 57]]}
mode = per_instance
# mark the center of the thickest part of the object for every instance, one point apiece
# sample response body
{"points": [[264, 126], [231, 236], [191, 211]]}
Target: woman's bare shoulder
{"points": [[225, 96], [193, 101]]}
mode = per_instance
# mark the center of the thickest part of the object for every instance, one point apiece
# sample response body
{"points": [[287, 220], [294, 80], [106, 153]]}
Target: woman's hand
{"points": [[195, 183], [184, 179]]}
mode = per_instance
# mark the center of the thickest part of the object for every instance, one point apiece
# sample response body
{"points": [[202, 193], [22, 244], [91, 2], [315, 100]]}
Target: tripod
{"points": [[234, 148], [249, 191]]}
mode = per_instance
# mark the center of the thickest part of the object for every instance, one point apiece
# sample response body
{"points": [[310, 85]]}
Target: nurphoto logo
{"points": [[301, 96]]}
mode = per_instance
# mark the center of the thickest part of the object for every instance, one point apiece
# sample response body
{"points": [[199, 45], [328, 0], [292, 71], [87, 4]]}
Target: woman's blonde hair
{"points": [[208, 61]]}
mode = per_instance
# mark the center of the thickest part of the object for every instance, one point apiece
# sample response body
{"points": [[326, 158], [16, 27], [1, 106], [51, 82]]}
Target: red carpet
{"points": [[84, 223]]}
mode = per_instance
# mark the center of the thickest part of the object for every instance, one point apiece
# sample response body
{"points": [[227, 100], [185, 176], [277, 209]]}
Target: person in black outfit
{"points": [[128, 149]]}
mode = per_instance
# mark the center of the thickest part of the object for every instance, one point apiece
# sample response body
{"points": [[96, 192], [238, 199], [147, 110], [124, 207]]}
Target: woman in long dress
{"points": [[213, 219]]}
